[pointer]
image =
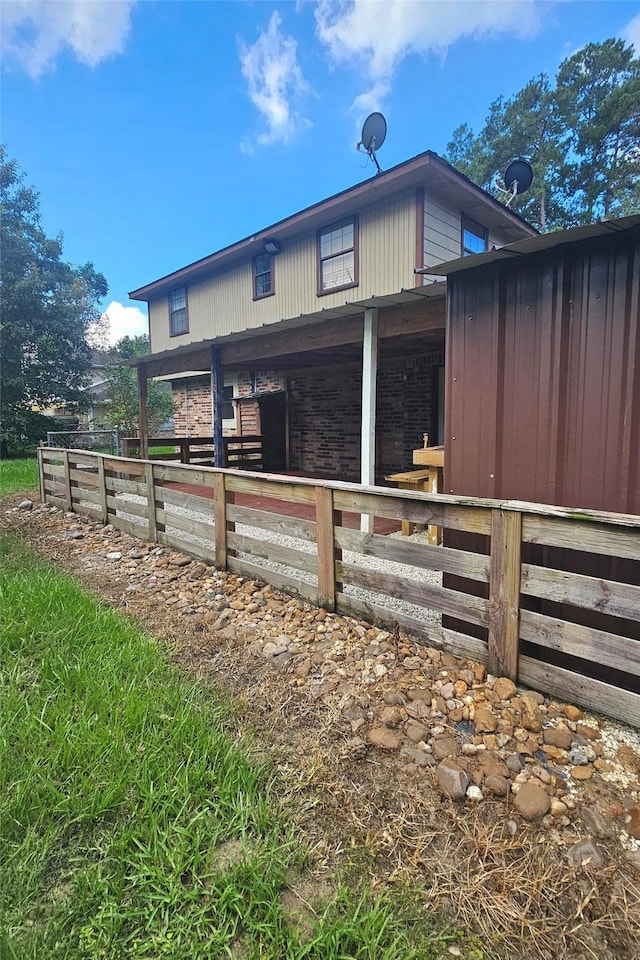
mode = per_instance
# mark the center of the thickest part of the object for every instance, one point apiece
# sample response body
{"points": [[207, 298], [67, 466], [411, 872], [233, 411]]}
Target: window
{"points": [[229, 391], [262, 276], [338, 256], [178, 311], [474, 237]]}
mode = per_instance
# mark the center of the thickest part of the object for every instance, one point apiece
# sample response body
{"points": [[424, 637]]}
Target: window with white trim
{"points": [[229, 391], [178, 321], [474, 237], [338, 256]]}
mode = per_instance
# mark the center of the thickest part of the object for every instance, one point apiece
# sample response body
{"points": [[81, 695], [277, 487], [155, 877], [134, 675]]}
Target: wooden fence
{"points": [[530, 620]]}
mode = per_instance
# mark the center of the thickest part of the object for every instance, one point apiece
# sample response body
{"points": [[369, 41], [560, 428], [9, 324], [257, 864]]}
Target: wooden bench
{"points": [[425, 481]]}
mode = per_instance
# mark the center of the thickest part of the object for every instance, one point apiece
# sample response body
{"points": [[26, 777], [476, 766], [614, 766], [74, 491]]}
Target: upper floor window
{"points": [[338, 256], [474, 237], [178, 320], [262, 276]]}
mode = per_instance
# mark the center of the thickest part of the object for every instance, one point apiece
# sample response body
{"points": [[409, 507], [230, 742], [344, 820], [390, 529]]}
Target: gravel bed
{"points": [[416, 574]]}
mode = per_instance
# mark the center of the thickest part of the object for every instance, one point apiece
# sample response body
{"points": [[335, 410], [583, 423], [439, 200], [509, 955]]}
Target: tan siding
{"points": [[223, 304], [441, 232]]}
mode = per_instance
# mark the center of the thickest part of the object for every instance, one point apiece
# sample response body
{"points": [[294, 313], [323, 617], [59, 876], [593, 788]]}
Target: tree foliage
{"points": [[122, 390], [47, 306], [581, 136]]}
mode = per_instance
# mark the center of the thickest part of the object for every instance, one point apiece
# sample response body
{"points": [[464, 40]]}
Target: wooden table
{"points": [[417, 480]]}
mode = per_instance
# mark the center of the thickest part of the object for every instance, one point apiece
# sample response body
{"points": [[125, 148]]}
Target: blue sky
{"points": [[159, 131]]}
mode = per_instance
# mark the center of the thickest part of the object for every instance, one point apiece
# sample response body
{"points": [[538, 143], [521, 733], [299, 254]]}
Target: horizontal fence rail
{"points": [[554, 595]]}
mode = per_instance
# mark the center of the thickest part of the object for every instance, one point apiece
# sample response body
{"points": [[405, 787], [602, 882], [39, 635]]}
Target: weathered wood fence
{"points": [[226, 518]]}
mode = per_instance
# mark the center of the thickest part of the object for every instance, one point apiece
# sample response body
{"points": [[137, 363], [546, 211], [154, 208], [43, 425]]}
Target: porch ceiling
{"points": [[329, 336]]}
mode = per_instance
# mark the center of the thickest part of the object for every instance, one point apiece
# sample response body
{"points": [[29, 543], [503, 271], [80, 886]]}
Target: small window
{"points": [[262, 276], [474, 237], [178, 311], [229, 391], [338, 256]]}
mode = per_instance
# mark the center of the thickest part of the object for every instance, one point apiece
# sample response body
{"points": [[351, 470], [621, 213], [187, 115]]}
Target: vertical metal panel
{"points": [[543, 386]]}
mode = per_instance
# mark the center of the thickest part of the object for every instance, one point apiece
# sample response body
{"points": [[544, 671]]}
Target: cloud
{"points": [[631, 33], [275, 82], [36, 32], [378, 35], [124, 321]]}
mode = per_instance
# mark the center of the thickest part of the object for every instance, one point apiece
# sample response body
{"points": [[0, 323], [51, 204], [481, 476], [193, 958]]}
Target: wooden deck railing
{"points": [[532, 612], [243, 451]]}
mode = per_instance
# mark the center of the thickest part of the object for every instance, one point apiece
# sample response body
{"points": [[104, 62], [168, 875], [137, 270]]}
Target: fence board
{"points": [[83, 459], [183, 473], [326, 548], [102, 490], [297, 559], [190, 501], [450, 602], [276, 522], [56, 486], [128, 506], [80, 494], [504, 592], [475, 566], [577, 535], [51, 470], [574, 688], [89, 478], [283, 582], [137, 530], [606, 596], [56, 501], [186, 546], [116, 485], [423, 630], [415, 508], [134, 468], [598, 646], [271, 488], [95, 514], [197, 527]]}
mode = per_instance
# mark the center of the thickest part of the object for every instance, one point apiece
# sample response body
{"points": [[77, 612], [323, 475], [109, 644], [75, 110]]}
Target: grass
{"points": [[18, 474], [131, 825]]}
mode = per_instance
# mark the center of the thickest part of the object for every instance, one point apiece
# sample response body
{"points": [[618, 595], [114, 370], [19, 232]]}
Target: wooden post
{"points": [[102, 490], [67, 479], [221, 498], [151, 501], [504, 593], [325, 538], [43, 494], [142, 411], [217, 400], [369, 389]]}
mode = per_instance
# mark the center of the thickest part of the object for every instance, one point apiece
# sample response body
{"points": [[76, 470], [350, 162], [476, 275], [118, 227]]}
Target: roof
{"points": [[545, 241], [425, 169]]}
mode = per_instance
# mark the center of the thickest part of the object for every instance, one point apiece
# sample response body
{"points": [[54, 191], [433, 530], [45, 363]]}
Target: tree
{"points": [[581, 137], [47, 306], [122, 390]]}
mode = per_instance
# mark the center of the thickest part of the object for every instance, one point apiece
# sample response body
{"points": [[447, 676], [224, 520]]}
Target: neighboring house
{"points": [[316, 332]]}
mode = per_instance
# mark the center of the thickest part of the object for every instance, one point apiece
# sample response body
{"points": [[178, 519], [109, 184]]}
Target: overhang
{"points": [[542, 242]]}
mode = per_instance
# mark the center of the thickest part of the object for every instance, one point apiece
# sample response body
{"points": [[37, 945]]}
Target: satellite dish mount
{"points": [[374, 131], [517, 179]]}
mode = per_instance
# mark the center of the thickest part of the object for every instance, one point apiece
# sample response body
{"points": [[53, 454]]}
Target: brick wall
{"points": [[192, 400]]}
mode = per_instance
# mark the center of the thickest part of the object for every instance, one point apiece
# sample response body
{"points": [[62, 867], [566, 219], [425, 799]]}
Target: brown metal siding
{"points": [[543, 388]]}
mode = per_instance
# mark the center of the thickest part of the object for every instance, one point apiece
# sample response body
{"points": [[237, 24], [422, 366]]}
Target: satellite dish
{"points": [[374, 131], [518, 176]]}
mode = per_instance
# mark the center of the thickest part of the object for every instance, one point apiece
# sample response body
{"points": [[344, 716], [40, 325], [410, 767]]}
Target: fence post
{"points": [[221, 498], [151, 501], [41, 475], [325, 538], [504, 593], [102, 489], [67, 479]]}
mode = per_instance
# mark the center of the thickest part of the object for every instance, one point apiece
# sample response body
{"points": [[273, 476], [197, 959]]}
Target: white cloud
{"points": [[124, 321], [36, 32], [631, 33], [378, 34], [275, 82]]}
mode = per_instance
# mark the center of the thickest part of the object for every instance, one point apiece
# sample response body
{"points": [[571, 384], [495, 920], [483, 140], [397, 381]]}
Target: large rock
{"points": [[532, 802], [584, 853], [452, 780], [504, 688], [484, 720], [559, 736], [384, 739]]}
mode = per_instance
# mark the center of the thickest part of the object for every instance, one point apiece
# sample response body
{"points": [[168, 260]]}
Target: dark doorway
{"points": [[273, 426]]}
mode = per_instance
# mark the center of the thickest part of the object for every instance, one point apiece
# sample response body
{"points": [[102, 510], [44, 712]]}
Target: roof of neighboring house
{"points": [[545, 241], [426, 169]]}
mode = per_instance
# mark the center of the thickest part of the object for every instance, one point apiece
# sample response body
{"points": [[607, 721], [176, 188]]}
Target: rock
{"points": [[572, 713], [474, 793], [73, 535], [530, 714], [514, 763], [414, 754], [25, 505], [383, 738], [504, 688], [496, 785], [452, 780], [392, 698], [180, 560], [492, 765], [632, 822], [581, 773], [578, 755], [559, 736], [531, 801], [445, 747], [447, 691], [584, 853], [115, 555], [558, 808], [589, 733], [391, 717], [484, 720], [596, 824], [273, 649], [354, 749], [479, 672]]}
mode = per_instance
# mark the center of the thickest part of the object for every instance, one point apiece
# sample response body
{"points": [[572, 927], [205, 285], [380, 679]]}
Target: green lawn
{"points": [[131, 825], [18, 474]]}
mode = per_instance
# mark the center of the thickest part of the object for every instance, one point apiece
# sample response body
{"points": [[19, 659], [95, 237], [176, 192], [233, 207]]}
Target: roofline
{"points": [[299, 219], [546, 241]]}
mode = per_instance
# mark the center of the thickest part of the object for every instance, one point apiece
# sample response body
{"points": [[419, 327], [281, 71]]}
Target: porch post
{"points": [[369, 385], [143, 426], [217, 400]]}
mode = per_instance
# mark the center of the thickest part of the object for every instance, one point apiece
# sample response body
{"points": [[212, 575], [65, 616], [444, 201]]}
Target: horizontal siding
{"points": [[441, 233], [223, 304]]}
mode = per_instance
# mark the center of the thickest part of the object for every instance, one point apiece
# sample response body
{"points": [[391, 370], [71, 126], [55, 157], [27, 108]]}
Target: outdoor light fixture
{"points": [[271, 246]]}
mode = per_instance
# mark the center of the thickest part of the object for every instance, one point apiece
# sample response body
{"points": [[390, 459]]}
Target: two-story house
{"points": [[316, 332]]}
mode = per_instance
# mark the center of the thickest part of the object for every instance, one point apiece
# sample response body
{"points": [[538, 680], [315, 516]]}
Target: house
{"points": [[316, 332]]}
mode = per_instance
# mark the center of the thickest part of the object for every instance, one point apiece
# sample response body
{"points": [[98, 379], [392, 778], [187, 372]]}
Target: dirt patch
{"points": [[313, 689]]}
